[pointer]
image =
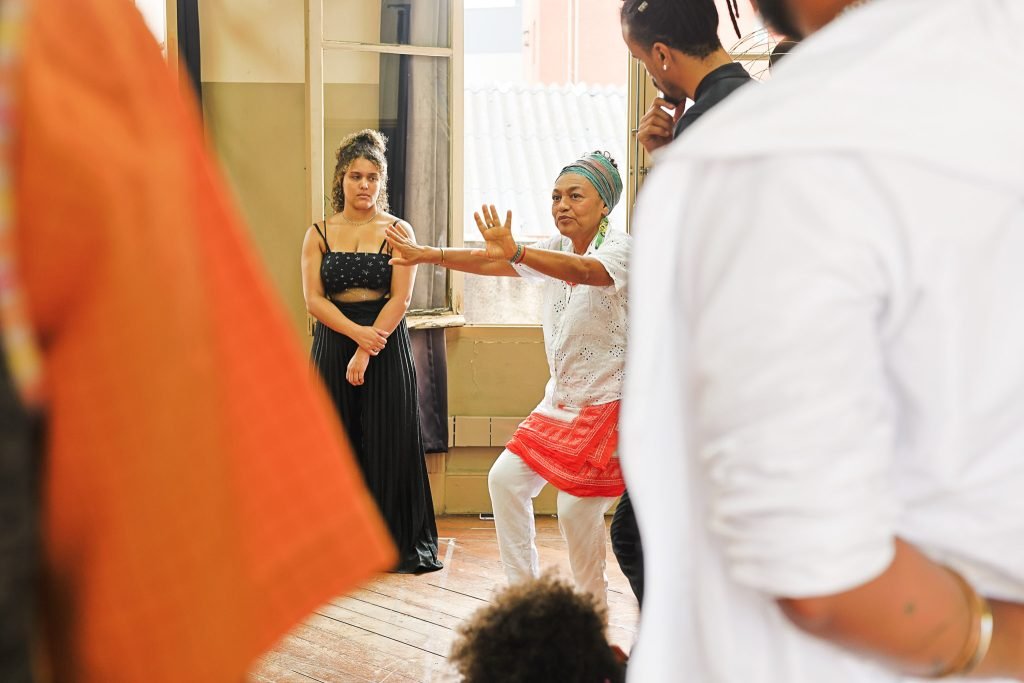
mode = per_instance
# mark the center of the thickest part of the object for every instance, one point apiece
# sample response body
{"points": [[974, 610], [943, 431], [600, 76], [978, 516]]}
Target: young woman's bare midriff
{"points": [[355, 294]]}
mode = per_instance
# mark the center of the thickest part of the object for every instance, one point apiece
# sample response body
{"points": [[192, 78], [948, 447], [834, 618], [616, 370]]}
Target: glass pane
{"points": [[424, 23], [518, 138], [502, 300], [545, 82], [406, 98]]}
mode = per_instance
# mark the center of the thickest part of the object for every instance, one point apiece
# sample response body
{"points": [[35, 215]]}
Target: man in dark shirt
{"points": [[677, 40]]}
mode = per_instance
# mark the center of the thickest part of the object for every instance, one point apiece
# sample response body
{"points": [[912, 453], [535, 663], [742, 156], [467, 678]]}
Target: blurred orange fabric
{"points": [[199, 497]]}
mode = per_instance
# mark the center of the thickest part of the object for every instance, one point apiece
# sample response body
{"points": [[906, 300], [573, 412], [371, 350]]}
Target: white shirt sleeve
{"points": [[614, 256], [792, 410]]}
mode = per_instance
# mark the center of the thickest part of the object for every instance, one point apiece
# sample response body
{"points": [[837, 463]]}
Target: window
{"points": [[545, 82], [483, 101], [389, 65]]}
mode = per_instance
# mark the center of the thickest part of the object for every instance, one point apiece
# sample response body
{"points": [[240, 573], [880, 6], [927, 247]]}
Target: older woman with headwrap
{"points": [[570, 439]]}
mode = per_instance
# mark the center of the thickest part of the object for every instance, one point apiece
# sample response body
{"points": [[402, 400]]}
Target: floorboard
{"points": [[399, 628]]}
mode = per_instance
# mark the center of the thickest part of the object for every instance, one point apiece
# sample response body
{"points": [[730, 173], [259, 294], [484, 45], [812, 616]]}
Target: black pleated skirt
{"points": [[381, 418]]}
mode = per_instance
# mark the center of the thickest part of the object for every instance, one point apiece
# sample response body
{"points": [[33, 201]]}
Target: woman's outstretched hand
{"points": [[405, 252], [499, 244]]}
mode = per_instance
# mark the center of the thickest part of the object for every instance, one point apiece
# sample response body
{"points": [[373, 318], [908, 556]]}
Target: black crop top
{"points": [[341, 270]]}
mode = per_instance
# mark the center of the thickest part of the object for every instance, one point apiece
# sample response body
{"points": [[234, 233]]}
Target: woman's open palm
{"points": [[498, 242], [405, 252]]}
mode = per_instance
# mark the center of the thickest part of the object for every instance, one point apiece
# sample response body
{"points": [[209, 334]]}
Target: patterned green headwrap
{"points": [[599, 168]]}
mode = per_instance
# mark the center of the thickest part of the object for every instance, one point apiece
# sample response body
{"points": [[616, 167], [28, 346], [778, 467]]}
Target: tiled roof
{"points": [[518, 137]]}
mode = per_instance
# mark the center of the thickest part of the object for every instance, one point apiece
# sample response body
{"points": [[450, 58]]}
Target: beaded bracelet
{"points": [[518, 256]]}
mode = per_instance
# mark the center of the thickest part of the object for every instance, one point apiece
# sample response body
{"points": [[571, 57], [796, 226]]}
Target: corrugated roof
{"points": [[518, 137]]}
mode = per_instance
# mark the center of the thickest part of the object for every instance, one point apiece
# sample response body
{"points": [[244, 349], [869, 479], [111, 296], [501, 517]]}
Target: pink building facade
{"points": [[579, 41], [573, 41]]}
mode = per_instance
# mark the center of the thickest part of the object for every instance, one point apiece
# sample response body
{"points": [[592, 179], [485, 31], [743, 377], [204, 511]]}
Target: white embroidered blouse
{"points": [[585, 326]]}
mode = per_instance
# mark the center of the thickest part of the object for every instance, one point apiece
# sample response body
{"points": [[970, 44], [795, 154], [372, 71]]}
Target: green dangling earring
{"points": [[602, 230]]}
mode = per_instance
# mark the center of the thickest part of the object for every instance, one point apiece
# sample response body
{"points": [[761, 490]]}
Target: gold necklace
{"points": [[342, 214]]}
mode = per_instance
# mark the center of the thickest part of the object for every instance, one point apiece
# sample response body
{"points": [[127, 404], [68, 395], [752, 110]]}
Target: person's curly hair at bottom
{"points": [[537, 631]]}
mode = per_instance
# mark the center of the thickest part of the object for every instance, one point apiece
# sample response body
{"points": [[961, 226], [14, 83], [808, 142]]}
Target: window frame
{"points": [[640, 93], [316, 45]]}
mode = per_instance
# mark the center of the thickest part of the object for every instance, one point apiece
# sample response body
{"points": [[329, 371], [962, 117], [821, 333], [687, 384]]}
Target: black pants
{"points": [[19, 532], [627, 547]]}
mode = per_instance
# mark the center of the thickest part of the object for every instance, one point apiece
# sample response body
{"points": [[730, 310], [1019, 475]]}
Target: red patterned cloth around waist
{"points": [[577, 457]]}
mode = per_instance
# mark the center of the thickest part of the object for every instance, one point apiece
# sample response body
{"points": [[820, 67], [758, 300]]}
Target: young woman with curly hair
{"points": [[361, 344]]}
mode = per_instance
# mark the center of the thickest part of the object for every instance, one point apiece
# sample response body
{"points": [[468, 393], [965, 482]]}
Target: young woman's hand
{"points": [[356, 372], [370, 339]]}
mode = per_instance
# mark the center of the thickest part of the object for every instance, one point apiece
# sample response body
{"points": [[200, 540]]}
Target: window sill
{"points": [[430, 322]]}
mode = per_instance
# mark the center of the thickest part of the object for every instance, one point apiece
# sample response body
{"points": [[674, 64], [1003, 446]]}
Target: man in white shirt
{"points": [[826, 324]]}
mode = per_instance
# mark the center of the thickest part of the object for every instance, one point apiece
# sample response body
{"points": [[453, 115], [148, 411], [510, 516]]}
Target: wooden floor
{"points": [[399, 628]]}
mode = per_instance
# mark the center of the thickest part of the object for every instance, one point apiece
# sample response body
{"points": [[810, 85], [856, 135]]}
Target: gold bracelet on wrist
{"points": [[986, 625], [441, 262], [979, 638]]}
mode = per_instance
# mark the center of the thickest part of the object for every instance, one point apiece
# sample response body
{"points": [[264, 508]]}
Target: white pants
{"points": [[513, 486]]}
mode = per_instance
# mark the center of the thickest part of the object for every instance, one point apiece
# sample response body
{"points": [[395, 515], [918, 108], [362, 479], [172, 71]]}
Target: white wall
{"points": [[155, 14]]}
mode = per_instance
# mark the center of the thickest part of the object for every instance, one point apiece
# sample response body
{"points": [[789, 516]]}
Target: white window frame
{"points": [[640, 93], [316, 46]]}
